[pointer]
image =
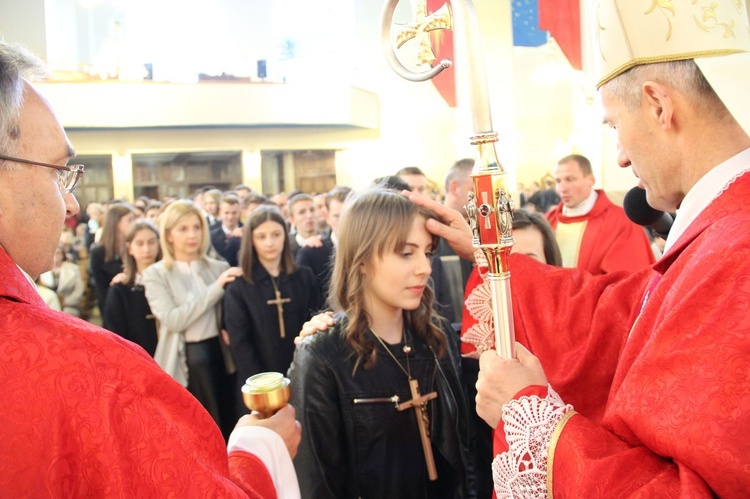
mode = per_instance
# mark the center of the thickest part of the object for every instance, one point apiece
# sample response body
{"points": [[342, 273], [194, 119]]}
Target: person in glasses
{"points": [[85, 412]]}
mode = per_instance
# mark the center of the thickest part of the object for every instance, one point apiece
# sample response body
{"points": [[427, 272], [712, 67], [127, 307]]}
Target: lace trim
{"points": [[481, 261], [529, 423], [482, 336], [479, 306], [731, 181]]}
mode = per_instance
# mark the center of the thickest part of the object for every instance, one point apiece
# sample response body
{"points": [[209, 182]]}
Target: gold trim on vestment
{"points": [[553, 446]]}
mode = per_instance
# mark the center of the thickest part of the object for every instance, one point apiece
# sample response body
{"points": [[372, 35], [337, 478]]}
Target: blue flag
{"points": [[526, 32]]}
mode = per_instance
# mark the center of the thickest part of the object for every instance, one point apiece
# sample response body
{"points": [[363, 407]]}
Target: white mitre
{"points": [[715, 33]]}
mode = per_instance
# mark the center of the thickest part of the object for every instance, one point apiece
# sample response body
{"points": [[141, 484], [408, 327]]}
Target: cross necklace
{"points": [[418, 402], [279, 302]]}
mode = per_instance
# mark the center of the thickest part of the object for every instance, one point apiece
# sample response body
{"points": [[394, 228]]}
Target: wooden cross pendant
{"points": [[279, 302], [418, 402]]}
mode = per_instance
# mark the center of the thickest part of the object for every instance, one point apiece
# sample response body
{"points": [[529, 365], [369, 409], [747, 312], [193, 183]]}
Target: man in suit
{"points": [[458, 185], [320, 259], [227, 237], [416, 179]]}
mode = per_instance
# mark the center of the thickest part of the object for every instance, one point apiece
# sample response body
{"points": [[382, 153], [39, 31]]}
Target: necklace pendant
{"points": [[407, 349]]}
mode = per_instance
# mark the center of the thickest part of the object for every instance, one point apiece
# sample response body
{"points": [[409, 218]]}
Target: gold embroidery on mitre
{"points": [[622, 32], [599, 28], [709, 14], [663, 6], [671, 58]]}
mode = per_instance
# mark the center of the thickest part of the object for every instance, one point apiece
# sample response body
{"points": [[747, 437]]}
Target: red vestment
{"points": [[88, 414], [663, 401], [611, 242]]}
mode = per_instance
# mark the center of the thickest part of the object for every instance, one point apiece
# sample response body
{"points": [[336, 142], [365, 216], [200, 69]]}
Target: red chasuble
{"points": [[661, 385], [88, 414], [611, 242]]}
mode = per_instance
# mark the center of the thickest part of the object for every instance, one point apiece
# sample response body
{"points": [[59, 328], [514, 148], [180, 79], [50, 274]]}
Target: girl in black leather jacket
{"points": [[351, 386]]}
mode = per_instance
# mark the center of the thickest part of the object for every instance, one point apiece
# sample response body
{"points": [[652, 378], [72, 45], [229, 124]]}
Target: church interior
{"points": [[160, 98]]}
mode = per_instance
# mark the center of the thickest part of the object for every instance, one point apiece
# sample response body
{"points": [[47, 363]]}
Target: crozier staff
{"points": [[644, 387]]}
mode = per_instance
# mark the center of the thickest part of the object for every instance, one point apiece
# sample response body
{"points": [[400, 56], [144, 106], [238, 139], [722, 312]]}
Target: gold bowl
{"points": [[266, 393]]}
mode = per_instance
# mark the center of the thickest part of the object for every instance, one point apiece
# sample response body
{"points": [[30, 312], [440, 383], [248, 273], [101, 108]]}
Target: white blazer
{"points": [[170, 295]]}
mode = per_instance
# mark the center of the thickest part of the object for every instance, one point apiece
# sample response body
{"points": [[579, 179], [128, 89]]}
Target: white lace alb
{"points": [[479, 306], [529, 424]]}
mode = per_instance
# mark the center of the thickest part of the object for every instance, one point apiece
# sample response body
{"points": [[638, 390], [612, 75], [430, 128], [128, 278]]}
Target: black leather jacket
{"points": [[372, 450]]}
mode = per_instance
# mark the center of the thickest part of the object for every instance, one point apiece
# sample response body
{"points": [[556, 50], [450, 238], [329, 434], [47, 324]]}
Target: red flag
{"points": [[562, 18], [442, 45]]}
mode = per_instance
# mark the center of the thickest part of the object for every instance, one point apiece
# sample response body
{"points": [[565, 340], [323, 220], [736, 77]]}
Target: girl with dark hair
{"points": [[105, 258], [534, 237], [379, 395], [127, 312], [265, 309]]}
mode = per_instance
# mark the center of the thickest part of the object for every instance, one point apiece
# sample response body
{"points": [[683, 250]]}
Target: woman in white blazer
{"points": [[184, 291], [66, 280]]}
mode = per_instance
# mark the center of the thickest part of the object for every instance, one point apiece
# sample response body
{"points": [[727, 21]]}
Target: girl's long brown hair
{"points": [[374, 223], [113, 241]]}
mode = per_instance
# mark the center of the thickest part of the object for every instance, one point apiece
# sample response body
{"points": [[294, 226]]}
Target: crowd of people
{"points": [[217, 287], [630, 377]]}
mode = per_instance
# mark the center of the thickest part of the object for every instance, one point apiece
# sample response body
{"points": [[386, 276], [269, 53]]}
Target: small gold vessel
{"points": [[266, 393]]}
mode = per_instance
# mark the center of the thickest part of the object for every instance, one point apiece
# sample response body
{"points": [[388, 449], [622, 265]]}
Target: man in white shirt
{"points": [[301, 209]]}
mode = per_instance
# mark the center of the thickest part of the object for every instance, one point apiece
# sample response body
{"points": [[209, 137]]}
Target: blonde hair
{"points": [[216, 195], [175, 212], [361, 239]]}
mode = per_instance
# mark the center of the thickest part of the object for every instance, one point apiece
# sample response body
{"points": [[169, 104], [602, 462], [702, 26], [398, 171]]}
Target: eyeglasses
{"points": [[68, 176]]}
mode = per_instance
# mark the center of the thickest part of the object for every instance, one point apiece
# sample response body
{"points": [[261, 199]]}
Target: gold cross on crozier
{"points": [[279, 302], [421, 26], [418, 402]]}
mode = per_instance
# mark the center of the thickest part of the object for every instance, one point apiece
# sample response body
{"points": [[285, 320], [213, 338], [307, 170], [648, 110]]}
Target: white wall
{"points": [[540, 114], [24, 21]]}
